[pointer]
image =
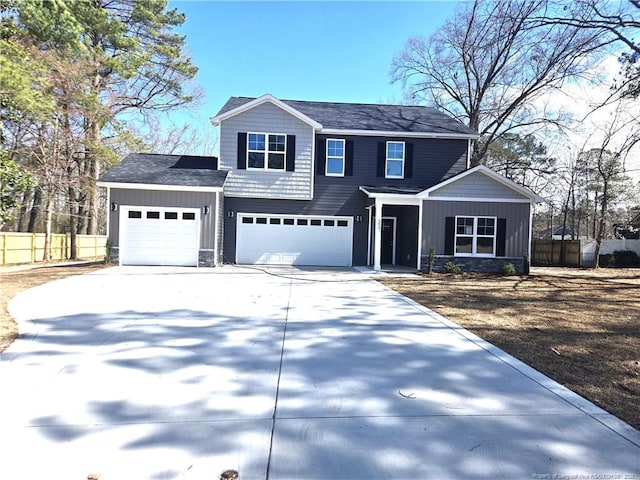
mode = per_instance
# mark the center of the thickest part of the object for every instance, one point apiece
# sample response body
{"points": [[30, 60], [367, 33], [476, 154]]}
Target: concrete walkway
{"points": [[172, 373]]}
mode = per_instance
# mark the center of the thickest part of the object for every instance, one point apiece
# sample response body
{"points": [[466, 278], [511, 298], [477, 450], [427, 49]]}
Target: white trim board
{"points": [[392, 133], [152, 186], [478, 199]]}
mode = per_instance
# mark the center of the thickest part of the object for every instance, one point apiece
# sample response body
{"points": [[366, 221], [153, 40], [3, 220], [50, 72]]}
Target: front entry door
{"points": [[388, 241]]}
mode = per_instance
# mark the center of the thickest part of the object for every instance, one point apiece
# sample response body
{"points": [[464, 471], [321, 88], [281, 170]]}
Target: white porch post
{"points": [[419, 262], [377, 236]]}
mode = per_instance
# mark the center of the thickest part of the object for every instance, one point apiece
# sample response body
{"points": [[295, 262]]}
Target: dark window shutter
{"points": [[382, 159], [449, 235], [348, 158], [291, 153], [501, 237], [408, 160], [242, 150], [321, 156]]}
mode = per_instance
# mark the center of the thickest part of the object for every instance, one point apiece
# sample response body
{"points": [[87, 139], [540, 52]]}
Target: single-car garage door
{"points": [[294, 240], [159, 236]]}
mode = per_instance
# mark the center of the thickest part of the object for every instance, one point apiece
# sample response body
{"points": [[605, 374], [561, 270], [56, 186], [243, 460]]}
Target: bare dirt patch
{"points": [[579, 327], [14, 280]]}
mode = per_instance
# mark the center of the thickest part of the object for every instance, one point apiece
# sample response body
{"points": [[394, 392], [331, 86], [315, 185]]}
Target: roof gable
{"points": [[359, 117], [480, 183], [237, 105], [186, 171]]}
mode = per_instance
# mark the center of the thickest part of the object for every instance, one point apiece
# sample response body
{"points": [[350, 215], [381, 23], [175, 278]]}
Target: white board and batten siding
{"points": [[274, 184], [266, 239], [159, 235]]}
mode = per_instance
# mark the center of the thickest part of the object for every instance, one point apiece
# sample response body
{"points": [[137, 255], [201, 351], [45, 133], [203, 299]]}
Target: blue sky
{"points": [[327, 51]]}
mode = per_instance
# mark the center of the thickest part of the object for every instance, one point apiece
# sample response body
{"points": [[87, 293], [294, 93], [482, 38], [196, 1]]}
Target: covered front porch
{"points": [[395, 227]]}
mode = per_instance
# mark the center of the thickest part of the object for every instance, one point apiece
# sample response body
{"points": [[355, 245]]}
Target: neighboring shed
{"points": [[165, 210]]}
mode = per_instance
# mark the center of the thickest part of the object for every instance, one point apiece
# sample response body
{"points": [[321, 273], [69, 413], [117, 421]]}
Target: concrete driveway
{"points": [[171, 373]]}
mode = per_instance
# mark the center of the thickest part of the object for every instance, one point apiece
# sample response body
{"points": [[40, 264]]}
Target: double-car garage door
{"points": [[294, 240], [159, 236]]}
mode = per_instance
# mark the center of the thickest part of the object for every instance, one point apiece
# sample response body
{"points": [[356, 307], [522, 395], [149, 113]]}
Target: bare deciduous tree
{"points": [[490, 63], [620, 19]]}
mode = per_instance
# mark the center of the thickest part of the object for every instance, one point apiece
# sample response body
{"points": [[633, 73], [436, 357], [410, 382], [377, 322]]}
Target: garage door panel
{"points": [[294, 240], [159, 236]]}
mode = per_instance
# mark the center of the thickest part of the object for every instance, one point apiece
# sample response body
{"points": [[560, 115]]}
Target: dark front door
{"points": [[388, 241]]}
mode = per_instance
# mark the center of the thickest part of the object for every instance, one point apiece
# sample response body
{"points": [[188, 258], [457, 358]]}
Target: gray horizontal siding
{"points": [[267, 118], [477, 185], [160, 198], [434, 160], [435, 212]]}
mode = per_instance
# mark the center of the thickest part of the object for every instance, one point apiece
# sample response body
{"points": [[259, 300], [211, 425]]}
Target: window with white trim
{"points": [[335, 158], [266, 151], [475, 236], [394, 167]]}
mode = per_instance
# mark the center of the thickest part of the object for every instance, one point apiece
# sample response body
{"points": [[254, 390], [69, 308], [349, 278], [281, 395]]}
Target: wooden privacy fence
{"points": [[548, 252], [29, 247]]}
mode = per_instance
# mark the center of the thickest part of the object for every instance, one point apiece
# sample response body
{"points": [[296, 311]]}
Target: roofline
{"points": [[391, 196], [267, 98], [491, 174], [155, 186], [399, 133]]}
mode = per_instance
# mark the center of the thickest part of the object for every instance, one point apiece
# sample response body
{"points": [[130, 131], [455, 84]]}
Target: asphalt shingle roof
{"points": [[364, 116], [156, 169]]}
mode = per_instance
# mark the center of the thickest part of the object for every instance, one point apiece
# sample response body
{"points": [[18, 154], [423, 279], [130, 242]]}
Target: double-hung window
{"points": [[475, 236], [335, 158], [394, 167], [266, 151]]}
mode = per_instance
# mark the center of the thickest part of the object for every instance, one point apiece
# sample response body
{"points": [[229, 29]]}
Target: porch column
{"points": [[377, 236]]}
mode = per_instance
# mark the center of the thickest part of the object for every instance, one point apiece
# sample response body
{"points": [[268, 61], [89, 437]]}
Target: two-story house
{"points": [[320, 183]]}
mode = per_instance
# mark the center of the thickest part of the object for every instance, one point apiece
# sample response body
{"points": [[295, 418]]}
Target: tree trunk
{"points": [[47, 229], [73, 223], [22, 214], [33, 215], [93, 174], [603, 210]]}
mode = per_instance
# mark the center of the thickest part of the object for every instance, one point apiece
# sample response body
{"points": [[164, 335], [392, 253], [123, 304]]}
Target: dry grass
{"points": [[14, 280], [579, 327]]}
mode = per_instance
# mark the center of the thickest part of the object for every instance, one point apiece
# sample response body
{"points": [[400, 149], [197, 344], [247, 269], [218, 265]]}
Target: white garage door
{"points": [[294, 240], [159, 236]]}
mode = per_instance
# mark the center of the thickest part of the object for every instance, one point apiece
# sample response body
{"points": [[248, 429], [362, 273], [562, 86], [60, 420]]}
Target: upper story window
{"points": [[475, 236], [394, 167], [335, 157], [266, 151]]}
